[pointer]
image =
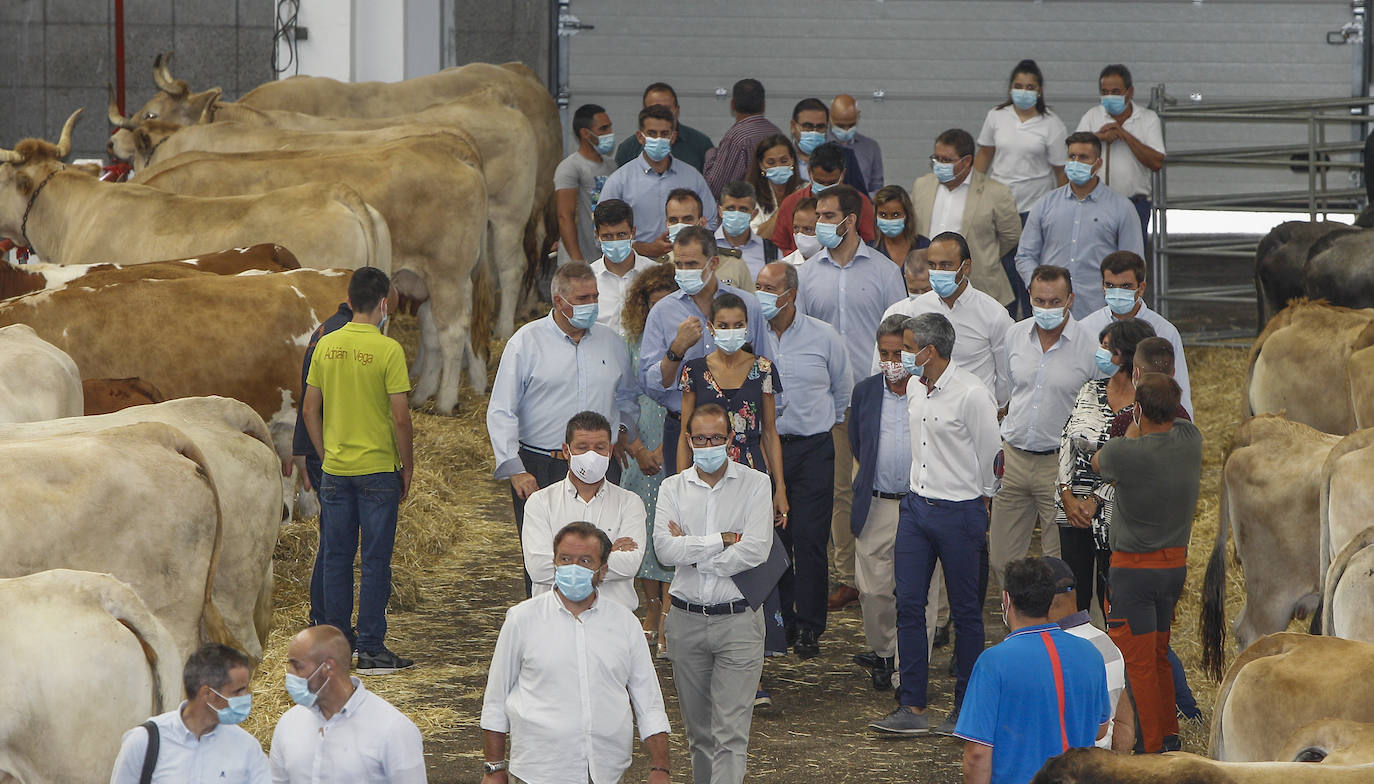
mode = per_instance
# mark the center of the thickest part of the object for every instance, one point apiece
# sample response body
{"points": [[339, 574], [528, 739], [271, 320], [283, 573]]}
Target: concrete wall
{"points": [[498, 31], [59, 55]]}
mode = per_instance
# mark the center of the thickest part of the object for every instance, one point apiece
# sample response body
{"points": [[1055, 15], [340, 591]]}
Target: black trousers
{"points": [[808, 468], [1089, 564], [546, 471], [672, 431]]}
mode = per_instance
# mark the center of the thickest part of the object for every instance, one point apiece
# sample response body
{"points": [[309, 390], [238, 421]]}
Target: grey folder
{"points": [[758, 582]]}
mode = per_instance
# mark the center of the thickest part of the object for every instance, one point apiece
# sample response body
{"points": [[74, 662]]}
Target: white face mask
{"points": [[589, 466], [808, 244]]}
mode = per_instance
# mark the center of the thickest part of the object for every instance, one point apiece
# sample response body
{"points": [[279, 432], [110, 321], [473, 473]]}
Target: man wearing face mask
{"points": [[551, 369], [804, 232], [1077, 225], [729, 161], [828, 169], [738, 204], [619, 265], [684, 209], [714, 521], [844, 129], [956, 197], [810, 121], [339, 732], [814, 367], [568, 674], [1123, 279], [676, 329], [1049, 357], [848, 285], [578, 180], [584, 494], [1133, 137], [198, 742], [645, 182], [690, 146]]}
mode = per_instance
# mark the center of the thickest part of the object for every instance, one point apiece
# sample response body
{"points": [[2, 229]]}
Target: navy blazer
{"points": [[865, 422]]}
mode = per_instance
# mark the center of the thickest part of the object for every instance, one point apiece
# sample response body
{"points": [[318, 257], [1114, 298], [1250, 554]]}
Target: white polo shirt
{"points": [[1026, 151], [367, 742], [1120, 170]]}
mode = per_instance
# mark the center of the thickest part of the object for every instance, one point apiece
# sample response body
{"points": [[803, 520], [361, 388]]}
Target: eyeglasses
{"points": [[936, 159], [705, 441]]}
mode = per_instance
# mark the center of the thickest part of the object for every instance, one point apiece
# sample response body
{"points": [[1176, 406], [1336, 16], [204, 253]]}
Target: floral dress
{"points": [[651, 416], [744, 405], [1090, 421]]}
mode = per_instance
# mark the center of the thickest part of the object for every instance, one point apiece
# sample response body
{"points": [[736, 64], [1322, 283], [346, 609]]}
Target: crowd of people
{"points": [[773, 385]]}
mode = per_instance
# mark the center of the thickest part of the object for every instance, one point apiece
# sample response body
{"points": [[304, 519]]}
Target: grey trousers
{"points": [[717, 662]]}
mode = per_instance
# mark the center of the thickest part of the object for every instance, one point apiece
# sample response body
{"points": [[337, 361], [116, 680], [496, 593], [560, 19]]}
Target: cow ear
{"points": [[23, 182], [142, 142], [202, 105]]}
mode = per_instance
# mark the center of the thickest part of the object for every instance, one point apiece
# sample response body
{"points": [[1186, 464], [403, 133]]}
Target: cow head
{"points": [[174, 101], [23, 170]]}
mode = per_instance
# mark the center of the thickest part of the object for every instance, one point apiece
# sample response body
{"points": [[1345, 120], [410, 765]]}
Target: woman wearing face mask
{"points": [[1021, 146], [1083, 516], [645, 472], [897, 232], [774, 176]]}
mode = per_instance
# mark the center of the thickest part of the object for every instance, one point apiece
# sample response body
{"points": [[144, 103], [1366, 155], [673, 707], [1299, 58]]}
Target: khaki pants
{"points": [[877, 583], [1027, 495], [841, 537], [717, 662]]}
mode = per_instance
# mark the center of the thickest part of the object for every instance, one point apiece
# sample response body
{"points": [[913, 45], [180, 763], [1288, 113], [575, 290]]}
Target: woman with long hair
{"points": [[774, 176], [896, 229]]}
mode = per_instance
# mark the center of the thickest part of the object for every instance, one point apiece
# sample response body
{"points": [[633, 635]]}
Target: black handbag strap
{"points": [[150, 757]]}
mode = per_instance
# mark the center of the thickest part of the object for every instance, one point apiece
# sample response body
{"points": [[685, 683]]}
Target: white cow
{"points": [[37, 379]]}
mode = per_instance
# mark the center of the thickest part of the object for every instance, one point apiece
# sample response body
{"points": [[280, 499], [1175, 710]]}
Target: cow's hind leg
{"points": [[451, 301], [429, 364], [507, 252]]}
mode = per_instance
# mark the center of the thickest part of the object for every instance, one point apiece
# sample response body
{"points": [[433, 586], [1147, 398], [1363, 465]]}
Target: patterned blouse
{"points": [[1089, 422], [744, 405]]}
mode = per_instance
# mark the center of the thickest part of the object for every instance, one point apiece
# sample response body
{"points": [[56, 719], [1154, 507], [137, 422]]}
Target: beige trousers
{"points": [[1027, 496], [877, 582], [841, 537]]}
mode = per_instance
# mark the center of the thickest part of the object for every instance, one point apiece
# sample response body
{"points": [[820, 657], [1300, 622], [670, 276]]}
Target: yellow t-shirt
{"points": [[356, 368]]}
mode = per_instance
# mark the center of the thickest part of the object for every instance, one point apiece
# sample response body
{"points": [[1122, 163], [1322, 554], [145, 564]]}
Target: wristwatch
{"points": [[493, 767], [672, 355]]}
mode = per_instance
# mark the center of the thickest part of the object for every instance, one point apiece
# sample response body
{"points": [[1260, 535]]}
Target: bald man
{"points": [[339, 731], [844, 129]]}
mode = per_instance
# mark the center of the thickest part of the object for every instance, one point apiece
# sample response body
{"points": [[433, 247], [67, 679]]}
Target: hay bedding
{"points": [[455, 572]]}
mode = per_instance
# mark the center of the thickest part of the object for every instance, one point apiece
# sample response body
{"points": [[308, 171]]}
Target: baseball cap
{"points": [[1064, 580]]}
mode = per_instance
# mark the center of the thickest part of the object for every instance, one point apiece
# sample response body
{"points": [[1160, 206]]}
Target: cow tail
{"points": [[376, 233], [1212, 618]]}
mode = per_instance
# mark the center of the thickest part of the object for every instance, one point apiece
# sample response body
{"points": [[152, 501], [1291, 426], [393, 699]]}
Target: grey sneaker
{"points": [[902, 722], [946, 728]]}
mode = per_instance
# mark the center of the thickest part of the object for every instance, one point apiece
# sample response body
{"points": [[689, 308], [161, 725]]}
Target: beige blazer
{"points": [[991, 226]]}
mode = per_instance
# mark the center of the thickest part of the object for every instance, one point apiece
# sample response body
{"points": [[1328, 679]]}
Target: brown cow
{"points": [[1099, 766], [108, 395], [1331, 742], [1300, 365], [16, 279]]}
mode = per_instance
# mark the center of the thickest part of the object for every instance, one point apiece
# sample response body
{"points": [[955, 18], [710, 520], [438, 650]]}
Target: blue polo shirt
{"points": [[1012, 701]]}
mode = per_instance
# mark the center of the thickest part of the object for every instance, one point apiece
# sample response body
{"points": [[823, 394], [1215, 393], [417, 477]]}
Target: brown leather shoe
{"points": [[843, 597]]}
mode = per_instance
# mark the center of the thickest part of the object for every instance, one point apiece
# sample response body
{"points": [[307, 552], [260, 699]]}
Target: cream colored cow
{"points": [[37, 379]]}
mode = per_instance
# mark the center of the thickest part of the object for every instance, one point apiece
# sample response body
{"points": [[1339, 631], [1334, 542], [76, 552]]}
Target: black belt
{"points": [[940, 502], [675, 415], [556, 454], [788, 438], [727, 608], [1036, 453], [889, 496]]}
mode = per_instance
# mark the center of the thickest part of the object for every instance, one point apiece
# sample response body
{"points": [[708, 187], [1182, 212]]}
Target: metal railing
{"points": [[1317, 155]]}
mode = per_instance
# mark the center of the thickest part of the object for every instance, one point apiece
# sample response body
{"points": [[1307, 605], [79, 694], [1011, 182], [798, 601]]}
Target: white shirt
{"points": [[1026, 151], [611, 288], [1045, 384], [751, 252], [980, 325], [615, 510], [1098, 320], [953, 436], [563, 688], [795, 258], [368, 741], [224, 754], [1120, 169], [1111, 658], [947, 214], [741, 502]]}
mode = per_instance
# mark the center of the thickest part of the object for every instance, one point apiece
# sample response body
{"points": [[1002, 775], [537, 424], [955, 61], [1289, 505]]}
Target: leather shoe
{"points": [[882, 673], [941, 636], [869, 659], [842, 598], [807, 646]]}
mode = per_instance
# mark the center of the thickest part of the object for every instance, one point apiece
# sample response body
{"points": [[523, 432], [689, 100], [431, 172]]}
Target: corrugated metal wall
{"points": [[944, 63]]}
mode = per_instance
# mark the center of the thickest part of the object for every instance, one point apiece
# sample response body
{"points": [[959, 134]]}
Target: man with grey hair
{"points": [[738, 206], [551, 369], [953, 425]]}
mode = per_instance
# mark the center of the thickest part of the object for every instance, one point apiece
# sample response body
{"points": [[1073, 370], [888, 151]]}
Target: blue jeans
{"points": [[955, 533], [351, 506], [314, 471]]}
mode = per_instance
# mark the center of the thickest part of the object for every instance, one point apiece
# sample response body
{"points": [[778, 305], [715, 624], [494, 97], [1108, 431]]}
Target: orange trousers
{"points": [[1144, 588]]}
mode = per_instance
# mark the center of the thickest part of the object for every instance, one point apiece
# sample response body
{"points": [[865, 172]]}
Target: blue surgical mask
{"points": [[616, 250], [674, 228], [810, 140], [845, 135], [1049, 318], [1024, 99], [657, 148], [734, 222], [731, 340], [709, 458], [605, 143], [909, 364], [1105, 363], [817, 187], [1078, 172], [891, 227], [944, 172], [827, 234], [237, 709], [1114, 104], [944, 282], [574, 581], [298, 688], [690, 281], [768, 303], [584, 316], [778, 175], [1120, 300]]}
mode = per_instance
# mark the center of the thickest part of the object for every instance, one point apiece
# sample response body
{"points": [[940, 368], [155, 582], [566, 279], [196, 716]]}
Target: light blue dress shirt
{"points": [[1098, 321], [852, 299], [814, 365], [661, 328], [1045, 384], [646, 191], [892, 473], [1077, 234], [224, 754], [544, 378]]}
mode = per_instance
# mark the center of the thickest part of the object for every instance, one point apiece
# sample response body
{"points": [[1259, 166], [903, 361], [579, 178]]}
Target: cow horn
{"points": [[116, 119], [162, 76], [10, 156], [64, 142]]}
